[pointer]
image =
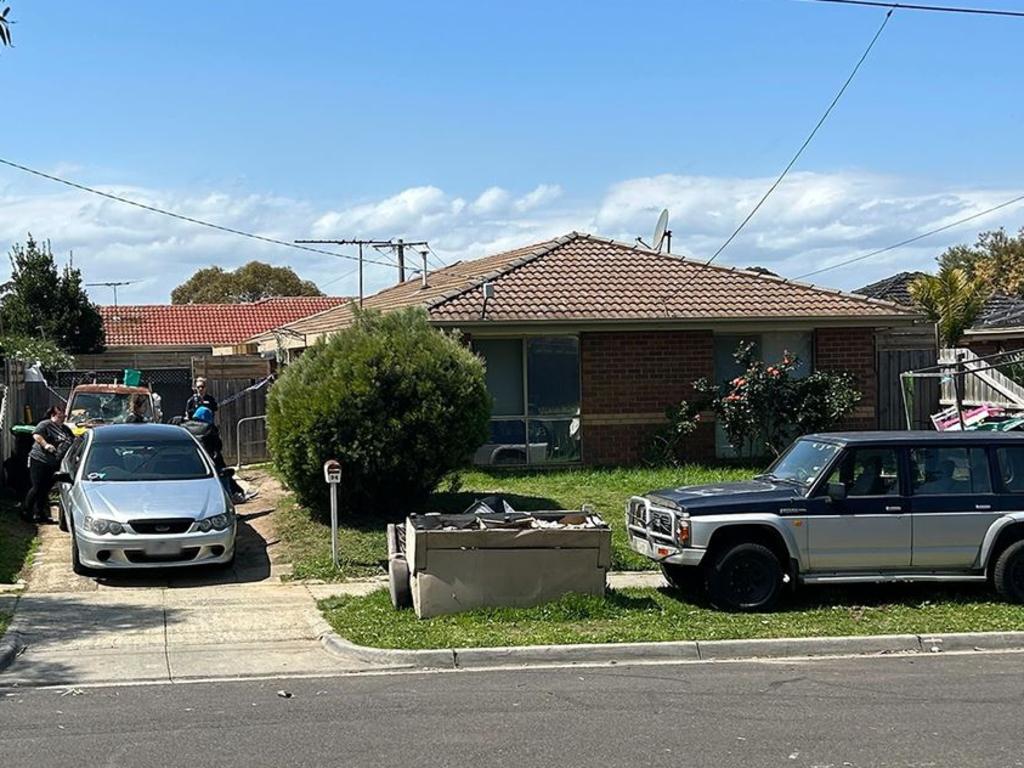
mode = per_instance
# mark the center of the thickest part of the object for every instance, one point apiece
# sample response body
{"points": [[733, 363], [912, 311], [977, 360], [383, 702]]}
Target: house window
{"points": [[535, 384], [769, 347]]}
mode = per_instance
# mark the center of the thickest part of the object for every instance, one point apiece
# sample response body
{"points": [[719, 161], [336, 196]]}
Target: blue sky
{"points": [[485, 125]]}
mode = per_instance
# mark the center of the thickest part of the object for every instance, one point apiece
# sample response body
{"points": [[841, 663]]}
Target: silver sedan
{"points": [[143, 496]]}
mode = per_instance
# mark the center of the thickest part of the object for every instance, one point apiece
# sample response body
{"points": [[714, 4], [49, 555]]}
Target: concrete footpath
{"points": [[166, 625]]}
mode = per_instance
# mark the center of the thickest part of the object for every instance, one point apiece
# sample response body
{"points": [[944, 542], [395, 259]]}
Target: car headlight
{"points": [[215, 523], [102, 526]]}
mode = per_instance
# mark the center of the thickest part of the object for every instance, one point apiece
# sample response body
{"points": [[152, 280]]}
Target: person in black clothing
{"points": [[200, 399], [205, 431], [137, 414], [52, 439]]}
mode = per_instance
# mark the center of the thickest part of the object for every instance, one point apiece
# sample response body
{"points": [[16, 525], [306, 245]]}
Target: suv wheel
{"points": [[685, 579], [1008, 575], [746, 577]]}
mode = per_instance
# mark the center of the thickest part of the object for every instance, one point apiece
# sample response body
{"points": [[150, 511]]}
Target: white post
{"points": [[332, 474]]}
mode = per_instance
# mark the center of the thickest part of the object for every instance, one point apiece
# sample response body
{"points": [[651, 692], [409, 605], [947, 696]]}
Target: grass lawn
{"points": [[17, 543], [640, 615], [364, 550]]}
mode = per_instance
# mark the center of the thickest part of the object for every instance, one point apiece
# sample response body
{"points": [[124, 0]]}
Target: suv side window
{"points": [[1011, 468], [868, 472], [949, 470]]}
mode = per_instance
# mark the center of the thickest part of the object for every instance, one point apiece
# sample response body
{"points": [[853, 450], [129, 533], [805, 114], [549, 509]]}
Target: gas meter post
{"points": [[332, 475]]}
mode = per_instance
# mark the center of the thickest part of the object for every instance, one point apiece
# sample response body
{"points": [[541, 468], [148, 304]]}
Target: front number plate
{"points": [[163, 548]]}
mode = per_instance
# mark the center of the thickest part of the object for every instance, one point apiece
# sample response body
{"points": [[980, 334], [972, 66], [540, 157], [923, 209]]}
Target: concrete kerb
{"points": [[703, 650], [11, 644]]}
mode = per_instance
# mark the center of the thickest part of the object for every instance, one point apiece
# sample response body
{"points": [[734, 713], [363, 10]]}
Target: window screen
{"points": [[868, 472], [1011, 468]]}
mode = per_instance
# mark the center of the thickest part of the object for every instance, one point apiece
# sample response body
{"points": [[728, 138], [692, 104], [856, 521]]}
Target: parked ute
{"points": [[846, 508], [143, 496], [92, 404]]}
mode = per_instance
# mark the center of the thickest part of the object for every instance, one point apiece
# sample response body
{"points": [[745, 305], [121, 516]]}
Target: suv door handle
{"points": [[983, 507], [894, 509]]}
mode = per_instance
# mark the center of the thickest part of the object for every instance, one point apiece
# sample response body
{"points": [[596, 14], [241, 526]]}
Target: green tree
{"points": [[398, 403], [996, 260], [252, 282], [41, 302], [952, 300], [5, 27]]}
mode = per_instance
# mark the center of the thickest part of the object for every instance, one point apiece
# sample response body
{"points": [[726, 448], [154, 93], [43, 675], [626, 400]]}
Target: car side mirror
{"points": [[63, 477], [836, 491], [227, 472]]}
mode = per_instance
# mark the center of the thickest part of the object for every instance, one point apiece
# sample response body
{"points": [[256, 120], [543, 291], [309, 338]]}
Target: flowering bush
{"points": [[30, 351], [763, 409]]}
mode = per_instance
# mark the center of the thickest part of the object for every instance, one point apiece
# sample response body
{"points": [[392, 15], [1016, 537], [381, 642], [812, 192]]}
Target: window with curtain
{"points": [[535, 383]]}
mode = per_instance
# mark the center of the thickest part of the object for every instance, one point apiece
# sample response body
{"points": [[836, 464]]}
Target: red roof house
{"points": [[203, 327]]}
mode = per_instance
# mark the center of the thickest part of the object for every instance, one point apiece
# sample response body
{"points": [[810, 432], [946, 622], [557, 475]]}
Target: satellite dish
{"points": [[659, 231]]}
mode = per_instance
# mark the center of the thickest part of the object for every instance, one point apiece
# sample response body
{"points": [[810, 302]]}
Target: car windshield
{"points": [[108, 407], [803, 462], [150, 460]]}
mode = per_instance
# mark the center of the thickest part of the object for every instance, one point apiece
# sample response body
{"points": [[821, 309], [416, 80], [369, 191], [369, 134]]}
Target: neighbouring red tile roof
{"points": [[164, 325], [584, 278]]}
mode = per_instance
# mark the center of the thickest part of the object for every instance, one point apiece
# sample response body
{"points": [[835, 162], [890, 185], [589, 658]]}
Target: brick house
{"points": [[587, 340], [998, 328]]}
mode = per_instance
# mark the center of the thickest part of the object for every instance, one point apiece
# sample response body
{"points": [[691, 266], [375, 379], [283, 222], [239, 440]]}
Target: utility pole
{"points": [[398, 245]]}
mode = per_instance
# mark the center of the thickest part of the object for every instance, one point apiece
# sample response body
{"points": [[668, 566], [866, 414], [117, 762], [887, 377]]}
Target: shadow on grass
{"points": [[16, 541], [853, 596]]}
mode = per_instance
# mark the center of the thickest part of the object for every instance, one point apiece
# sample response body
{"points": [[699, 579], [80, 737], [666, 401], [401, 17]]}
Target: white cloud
{"points": [[812, 220], [490, 200], [542, 194]]}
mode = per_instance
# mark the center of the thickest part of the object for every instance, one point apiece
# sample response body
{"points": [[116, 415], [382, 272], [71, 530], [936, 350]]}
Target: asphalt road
{"points": [[960, 711]]}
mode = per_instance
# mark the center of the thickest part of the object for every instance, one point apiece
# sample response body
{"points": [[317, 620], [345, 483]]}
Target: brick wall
{"points": [[852, 350], [629, 379]]}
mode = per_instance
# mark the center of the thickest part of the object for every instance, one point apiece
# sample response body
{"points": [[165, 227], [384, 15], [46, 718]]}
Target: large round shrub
{"points": [[399, 403]]}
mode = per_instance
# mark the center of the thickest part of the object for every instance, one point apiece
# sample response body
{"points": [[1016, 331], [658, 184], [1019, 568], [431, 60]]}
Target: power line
{"points": [[908, 241], [939, 8], [807, 141], [181, 217]]}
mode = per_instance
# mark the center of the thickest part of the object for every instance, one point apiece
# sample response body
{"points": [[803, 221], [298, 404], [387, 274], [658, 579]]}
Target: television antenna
{"points": [[662, 234], [114, 284]]}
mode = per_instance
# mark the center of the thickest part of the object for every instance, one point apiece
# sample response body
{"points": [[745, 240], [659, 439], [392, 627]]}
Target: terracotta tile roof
{"points": [[584, 278], [162, 325]]}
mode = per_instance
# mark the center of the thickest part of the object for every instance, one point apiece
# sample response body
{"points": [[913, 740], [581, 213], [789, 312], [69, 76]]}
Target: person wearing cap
{"points": [[201, 398]]}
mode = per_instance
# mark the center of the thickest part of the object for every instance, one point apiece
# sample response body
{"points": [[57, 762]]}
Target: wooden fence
{"points": [[925, 394], [980, 386]]}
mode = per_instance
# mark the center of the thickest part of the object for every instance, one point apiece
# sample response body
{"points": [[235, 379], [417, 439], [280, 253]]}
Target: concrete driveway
{"points": [[171, 624]]}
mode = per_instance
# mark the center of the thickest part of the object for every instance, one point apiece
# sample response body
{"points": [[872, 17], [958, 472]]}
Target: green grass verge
{"points": [[645, 615], [364, 549], [18, 543]]}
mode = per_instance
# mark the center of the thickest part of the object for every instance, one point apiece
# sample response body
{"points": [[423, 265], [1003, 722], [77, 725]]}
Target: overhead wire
{"points": [[908, 241], [920, 7], [807, 141], [179, 216]]}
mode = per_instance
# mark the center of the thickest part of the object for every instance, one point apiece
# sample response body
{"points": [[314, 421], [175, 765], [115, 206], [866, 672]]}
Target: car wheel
{"points": [[62, 518], [398, 582], [685, 579], [1008, 575], [76, 559], [746, 577]]}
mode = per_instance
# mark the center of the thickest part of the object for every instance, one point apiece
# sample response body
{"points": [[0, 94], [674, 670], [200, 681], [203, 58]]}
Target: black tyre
{"points": [[746, 577], [685, 579], [76, 560], [1008, 575], [62, 519], [398, 582]]}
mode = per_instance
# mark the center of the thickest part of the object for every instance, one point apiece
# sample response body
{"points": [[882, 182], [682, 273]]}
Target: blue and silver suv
{"points": [[845, 508]]}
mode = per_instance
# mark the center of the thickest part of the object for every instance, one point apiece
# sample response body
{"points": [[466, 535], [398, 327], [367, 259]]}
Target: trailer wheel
{"points": [[398, 582]]}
